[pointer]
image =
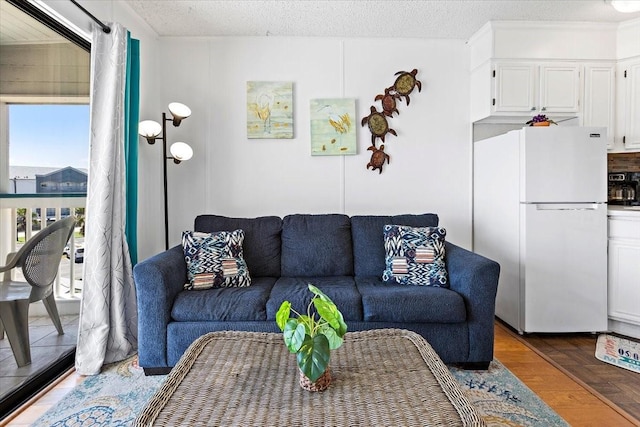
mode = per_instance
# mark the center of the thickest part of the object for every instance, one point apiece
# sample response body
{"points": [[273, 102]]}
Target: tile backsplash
{"points": [[623, 162]]}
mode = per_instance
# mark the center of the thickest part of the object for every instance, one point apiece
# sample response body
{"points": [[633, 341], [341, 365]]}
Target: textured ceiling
{"points": [[451, 19]]}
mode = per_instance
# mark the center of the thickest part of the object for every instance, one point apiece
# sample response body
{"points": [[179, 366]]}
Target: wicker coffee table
{"points": [[387, 377]]}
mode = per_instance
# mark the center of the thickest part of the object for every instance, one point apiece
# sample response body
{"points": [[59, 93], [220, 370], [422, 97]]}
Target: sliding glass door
{"points": [[44, 146]]}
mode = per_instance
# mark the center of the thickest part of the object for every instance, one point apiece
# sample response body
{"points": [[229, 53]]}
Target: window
{"points": [[44, 97], [48, 148]]}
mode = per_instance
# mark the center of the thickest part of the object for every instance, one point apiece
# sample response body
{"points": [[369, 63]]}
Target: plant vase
{"points": [[311, 336], [321, 384], [540, 120]]}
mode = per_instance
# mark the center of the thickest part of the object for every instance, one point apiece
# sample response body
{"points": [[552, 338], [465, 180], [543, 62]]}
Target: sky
{"points": [[49, 135]]}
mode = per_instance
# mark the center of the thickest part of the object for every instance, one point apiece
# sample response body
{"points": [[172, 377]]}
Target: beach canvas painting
{"points": [[333, 130], [270, 110]]}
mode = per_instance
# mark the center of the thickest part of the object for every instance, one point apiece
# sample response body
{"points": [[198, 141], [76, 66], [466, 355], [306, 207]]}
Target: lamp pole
{"points": [[164, 170], [180, 151]]}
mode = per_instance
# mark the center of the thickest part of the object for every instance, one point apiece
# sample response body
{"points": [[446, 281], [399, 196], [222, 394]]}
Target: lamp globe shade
{"points": [[179, 111], [149, 128], [626, 6], [181, 151]]}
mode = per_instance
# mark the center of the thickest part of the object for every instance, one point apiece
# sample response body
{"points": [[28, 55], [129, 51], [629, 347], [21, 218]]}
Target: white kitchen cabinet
{"points": [[515, 88], [624, 273], [630, 81], [599, 98], [559, 88], [531, 88]]}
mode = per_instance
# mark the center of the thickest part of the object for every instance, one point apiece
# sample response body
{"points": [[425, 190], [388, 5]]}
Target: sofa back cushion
{"points": [[368, 239], [262, 241], [316, 245]]}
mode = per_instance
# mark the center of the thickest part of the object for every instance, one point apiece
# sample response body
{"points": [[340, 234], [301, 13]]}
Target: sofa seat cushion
{"points": [[368, 239], [261, 245], [224, 304], [393, 302], [341, 289], [316, 245]]}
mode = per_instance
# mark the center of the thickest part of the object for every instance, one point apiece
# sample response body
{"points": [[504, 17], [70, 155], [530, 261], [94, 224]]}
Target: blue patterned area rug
{"points": [[504, 400], [119, 393]]}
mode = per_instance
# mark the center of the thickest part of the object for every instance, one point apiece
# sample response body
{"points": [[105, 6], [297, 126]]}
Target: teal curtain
{"points": [[131, 118]]}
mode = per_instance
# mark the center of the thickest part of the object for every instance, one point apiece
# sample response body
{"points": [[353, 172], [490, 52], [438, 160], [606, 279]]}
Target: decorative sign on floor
{"points": [[619, 352]]}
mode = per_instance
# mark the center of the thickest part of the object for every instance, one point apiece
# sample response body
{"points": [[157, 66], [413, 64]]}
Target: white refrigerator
{"points": [[539, 210]]}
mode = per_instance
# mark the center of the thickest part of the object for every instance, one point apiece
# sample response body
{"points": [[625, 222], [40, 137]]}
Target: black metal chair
{"points": [[39, 258]]}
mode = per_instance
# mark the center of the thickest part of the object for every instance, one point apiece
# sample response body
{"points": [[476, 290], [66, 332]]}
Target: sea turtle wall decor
{"points": [[389, 105], [378, 157], [405, 83], [378, 123]]}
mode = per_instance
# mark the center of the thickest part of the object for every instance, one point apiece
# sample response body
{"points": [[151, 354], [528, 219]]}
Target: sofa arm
{"points": [[158, 281], [476, 279]]}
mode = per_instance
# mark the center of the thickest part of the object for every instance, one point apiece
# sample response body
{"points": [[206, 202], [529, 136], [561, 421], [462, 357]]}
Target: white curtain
{"points": [[108, 316]]}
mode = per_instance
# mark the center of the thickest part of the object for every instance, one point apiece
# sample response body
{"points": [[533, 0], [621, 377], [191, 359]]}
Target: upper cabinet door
{"points": [[599, 98], [559, 88], [514, 87], [632, 85]]}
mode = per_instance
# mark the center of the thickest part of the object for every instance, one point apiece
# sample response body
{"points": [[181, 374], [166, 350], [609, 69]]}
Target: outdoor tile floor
{"points": [[46, 347]]}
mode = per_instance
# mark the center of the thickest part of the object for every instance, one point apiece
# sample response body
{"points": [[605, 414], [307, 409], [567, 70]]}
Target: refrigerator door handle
{"points": [[567, 206]]}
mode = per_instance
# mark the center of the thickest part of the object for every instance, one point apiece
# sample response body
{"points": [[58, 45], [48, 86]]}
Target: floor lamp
{"points": [[180, 151]]}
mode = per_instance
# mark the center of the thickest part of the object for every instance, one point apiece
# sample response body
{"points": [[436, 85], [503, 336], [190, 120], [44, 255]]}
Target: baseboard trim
{"points": [[624, 328]]}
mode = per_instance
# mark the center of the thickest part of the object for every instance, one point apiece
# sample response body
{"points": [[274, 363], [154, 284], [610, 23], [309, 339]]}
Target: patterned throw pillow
{"points": [[215, 260], [415, 255]]}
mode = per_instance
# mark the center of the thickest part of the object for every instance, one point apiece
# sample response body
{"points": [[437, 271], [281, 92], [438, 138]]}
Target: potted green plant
{"points": [[312, 336]]}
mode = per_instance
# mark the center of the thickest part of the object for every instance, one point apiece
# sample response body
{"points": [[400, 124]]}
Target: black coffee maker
{"points": [[623, 188]]}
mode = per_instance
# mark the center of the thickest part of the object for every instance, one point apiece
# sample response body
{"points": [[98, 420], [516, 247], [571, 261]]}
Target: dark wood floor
{"points": [[575, 354]]}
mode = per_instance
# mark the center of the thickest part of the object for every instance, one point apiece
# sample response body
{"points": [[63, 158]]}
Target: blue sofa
{"points": [[343, 256]]}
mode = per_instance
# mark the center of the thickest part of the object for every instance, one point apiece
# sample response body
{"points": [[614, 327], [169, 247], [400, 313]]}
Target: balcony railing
{"points": [[68, 284]]}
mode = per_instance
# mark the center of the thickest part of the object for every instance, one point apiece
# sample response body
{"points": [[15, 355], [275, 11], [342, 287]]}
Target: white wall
{"points": [[430, 169]]}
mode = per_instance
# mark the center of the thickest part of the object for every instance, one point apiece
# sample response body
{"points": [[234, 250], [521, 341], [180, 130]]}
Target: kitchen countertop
{"points": [[626, 211]]}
